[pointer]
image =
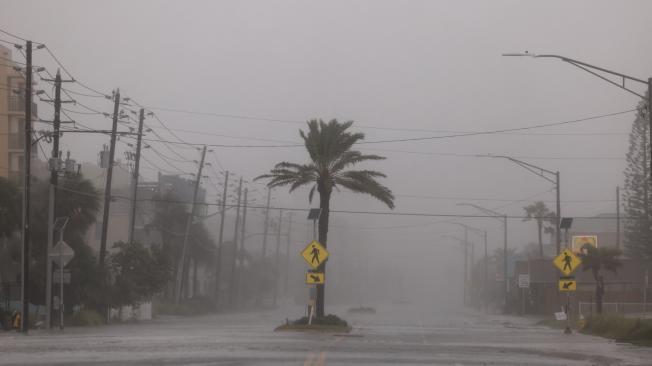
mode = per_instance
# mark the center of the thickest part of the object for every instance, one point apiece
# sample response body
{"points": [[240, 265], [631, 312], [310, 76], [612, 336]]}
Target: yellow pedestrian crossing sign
{"points": [[567, 262], [314, 254], [315, 278], [567, 284]]}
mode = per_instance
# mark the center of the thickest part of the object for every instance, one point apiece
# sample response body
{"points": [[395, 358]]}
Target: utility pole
{"points": [[287, 254], [259, 299], [506, 288], [232, 286], [278, 249], [27, 156], [109, 178], [466, 264], [218, 257], [240, 273], [484, 278], [618, 217], [55, 166], [184, 250], [134, 178], [558, 218]]}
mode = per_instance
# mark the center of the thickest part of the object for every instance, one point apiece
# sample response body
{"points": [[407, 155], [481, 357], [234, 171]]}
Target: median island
{"points": [[328, 323]]}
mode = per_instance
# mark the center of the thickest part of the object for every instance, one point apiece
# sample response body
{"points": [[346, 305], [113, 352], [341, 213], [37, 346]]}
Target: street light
{"points": [[483, 234], [541, 172], [591, 69], [503, 218], [465, 243]]}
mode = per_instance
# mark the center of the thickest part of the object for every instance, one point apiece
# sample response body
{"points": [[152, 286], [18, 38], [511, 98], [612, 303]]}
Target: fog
{"points": [[249, 74]]}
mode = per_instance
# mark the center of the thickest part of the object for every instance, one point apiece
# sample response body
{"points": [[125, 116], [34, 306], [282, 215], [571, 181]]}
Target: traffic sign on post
{"points": [[315, 278], [62, 253], [567, 262], [523, 280], [567, 284], [314, 254]]}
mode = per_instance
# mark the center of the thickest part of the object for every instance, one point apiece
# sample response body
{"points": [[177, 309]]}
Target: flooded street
{"points": [[395, 335]]}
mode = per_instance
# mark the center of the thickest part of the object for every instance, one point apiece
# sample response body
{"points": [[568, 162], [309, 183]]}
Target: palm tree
{"points": [[538, 212], [595, 260], [329, 148]]}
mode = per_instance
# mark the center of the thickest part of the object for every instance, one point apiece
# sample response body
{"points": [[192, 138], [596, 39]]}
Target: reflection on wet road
{"points": [[395, 335]]}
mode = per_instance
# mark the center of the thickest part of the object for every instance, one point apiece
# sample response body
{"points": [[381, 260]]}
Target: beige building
{"points": [[12, 118]]}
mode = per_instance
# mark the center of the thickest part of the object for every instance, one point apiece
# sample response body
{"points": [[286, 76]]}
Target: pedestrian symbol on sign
{"points": [[315, 254]]}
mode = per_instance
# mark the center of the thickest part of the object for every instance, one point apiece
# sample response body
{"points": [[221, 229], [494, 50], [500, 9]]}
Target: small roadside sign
{"points": [[315, 278], [314, 254], [56, 278], [579, 241], [523, 280], [567, 284], [567, 262], [62, 253]]}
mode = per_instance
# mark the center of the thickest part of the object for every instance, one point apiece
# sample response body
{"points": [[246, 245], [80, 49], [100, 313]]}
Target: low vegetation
{"points": [[328, 323], [86, 318], [636, 331], [363, 310]]}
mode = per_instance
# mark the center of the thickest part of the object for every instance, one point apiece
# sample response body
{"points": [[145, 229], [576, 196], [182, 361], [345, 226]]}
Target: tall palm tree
{"points": [[538, 212], [595, 260], [329, 147]]}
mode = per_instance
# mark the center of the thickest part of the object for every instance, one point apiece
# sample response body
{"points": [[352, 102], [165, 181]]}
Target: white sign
{"points": [[560, 315], [62, 253], [523, 281], [57, 277]]}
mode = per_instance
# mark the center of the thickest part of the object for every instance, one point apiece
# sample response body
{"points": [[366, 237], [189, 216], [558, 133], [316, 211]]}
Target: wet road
{"points": [[396, 335]]}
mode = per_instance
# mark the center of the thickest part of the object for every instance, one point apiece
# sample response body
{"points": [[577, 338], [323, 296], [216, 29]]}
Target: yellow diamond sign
{"points": [[315, 278], [314, 254], [567, 262], [567, 284]]}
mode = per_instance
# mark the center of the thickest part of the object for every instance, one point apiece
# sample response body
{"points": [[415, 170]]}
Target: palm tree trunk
{"points": [[324, 205], [539, 231], [599, 293]]}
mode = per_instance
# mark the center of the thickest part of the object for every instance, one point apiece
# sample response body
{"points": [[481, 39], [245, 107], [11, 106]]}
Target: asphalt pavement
{"points": [[398, 334]]}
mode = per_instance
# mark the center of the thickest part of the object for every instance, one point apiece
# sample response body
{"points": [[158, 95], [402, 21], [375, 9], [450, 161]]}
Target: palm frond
{"points": [[364, 181]]}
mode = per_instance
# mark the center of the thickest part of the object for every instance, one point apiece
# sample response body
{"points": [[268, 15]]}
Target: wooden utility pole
{"points": [[261, 287], [134, 178], [240, 274], [27, 156], [233, 284], [109, 178], [220, 240], [184, 250], [278, 254], [287, 254], [55, 167]]}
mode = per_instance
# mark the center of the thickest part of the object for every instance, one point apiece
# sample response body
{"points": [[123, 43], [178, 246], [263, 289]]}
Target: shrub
{"points": [[86, 317], [329, 319]]}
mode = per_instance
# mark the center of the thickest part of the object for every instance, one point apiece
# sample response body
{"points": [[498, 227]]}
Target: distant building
{"points": [[604, 226], [12, 118]]}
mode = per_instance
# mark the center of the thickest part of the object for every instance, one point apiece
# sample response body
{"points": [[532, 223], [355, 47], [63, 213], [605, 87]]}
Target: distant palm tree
{"points": [[329, 148], [538, 212], [595, 260]]}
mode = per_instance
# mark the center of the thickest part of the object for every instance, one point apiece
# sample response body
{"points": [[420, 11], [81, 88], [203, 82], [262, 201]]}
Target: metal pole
{"points": [[649, 116], [27, 156], [466, 259], [134, 178], [259, 299], [558, 218], [506, 295], [218, 257], [61, 302], [618, 217], [287, 254], [484, 278], [184, 250]]}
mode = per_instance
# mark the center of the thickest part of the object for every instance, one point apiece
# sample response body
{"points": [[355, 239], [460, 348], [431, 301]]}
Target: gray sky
{"points": [[417, 65]]}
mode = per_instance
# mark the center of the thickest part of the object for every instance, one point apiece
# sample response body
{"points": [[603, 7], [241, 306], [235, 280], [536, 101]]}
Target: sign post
{"points": [[61, 254], [523, 284], [314, 254], [567, 262]]}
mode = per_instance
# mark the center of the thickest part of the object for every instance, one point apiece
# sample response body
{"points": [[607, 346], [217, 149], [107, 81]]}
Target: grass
{"points": [[328, 323], [363, 309], [636, 331], [86, 318], [190, 307]]}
